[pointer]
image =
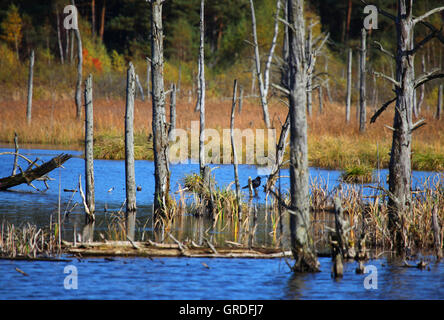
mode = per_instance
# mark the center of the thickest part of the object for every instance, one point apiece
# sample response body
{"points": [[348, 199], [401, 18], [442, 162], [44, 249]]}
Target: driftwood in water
{"points": [[30, 174], [152, 249]]}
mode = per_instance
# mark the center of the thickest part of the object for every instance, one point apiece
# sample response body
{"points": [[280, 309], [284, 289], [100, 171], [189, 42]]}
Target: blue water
{"points": [[228, 279], [182, 278]]}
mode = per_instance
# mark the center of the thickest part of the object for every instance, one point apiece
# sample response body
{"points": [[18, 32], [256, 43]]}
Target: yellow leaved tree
{"points": [[11, 28]]}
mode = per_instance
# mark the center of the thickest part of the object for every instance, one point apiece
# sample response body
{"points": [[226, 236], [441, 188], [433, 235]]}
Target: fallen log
{"points": [[30, 175], [151, 249]]}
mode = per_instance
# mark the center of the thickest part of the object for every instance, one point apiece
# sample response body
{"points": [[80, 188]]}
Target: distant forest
{"points": [[115, 32]]}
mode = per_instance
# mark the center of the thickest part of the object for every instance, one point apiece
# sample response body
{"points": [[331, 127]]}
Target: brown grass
{"points": [[332, 142]]}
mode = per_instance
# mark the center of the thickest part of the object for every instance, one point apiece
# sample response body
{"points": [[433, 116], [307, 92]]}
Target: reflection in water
{"points": [[159, 278]]}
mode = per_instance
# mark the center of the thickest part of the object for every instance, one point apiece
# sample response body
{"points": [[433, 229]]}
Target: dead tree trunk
{"points": [[160, 133], [362, 83], [349, 86], [439, 104], [30, 85], [310, 75], [59, 39], [321, 100], [405, 84], [148, 77], [139, 86], [172, 128], [202, 88], [78, 94], [129, 142], [89, 148], [233, 148], [263, 80], [301, 242]]}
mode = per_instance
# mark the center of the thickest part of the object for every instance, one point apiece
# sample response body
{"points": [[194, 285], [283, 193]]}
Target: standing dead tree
{"points": [[78, 94], [312, 51], [172, 128], [159, 125], [264, 80], [129, 141], [201, 86], [89, 148], [30, 81], [439, 104], [362, 82], [233, 149], [301, 241], [405, 83]]}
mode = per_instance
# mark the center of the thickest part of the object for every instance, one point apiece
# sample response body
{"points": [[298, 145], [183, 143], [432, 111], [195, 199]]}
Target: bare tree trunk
{"points": [[309, 49], [321, 100], [263, 89], [148, 77], [129, 141], [30, 85], [400, 156], [233, 148], [59, 39], [362, 83], [439, 104], [172, 129], [202, 88], [89, 148], [241, 97], [160, 134], [14, 169], [139, 86], [422, 88], [349, 85], [300, 225], [78, 95]]}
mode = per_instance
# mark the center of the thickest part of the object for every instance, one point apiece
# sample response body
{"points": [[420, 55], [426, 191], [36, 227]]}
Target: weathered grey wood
{"points": [[362, 82], [59, 39], [89, 145], [439, 104], [148, 77], [130, 177], [309, 53], [422, 88], [14, 169], [321, 100], [300, 223], [436, 232], [241, 98], [139, 86], [159, 126], [400, 156], [349, 85], [30, 174], [233, 149], [30, 88], [172, 128], [263, 85], [78, 92], [202, 88]]}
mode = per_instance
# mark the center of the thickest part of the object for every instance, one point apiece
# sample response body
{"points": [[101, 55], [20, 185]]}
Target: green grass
{"points": [[112, 147], [357, 174]]}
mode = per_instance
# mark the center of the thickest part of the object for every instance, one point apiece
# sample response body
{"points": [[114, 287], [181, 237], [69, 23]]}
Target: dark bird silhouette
{"points": [[256, 183]]}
